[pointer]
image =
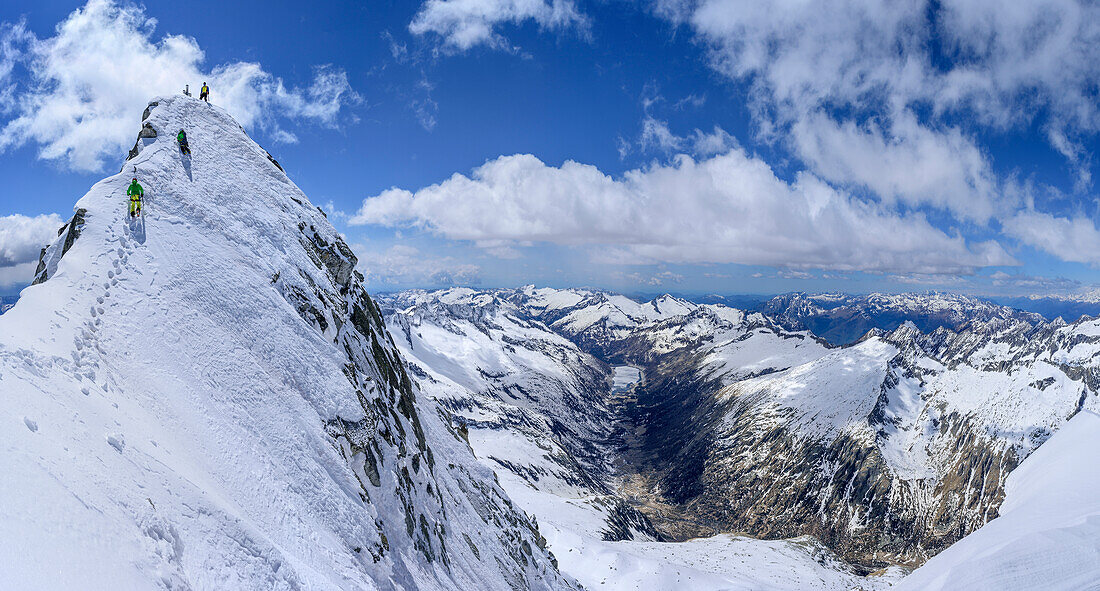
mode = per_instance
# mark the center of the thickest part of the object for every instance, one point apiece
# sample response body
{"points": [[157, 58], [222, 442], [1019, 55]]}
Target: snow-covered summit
{"points": [[207, 398]]}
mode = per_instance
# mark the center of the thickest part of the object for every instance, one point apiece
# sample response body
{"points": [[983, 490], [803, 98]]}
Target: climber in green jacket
{"points": [[136, 193]]}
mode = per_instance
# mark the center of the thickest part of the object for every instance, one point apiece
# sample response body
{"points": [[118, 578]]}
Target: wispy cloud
{"points": [[464, 24], [89, 82], [657, 136], [855, 89], [403, 266], [1070, 239], [648, 279]]}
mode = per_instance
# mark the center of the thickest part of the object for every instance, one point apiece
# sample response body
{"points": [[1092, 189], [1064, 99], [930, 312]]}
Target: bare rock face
{"points": [[147, 133], [273, 160], [49, 257], [336, 256], [148, 110], [888, 451]]}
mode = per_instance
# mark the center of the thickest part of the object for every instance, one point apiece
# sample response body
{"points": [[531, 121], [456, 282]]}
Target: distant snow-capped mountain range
{"points": [[888, 441]]}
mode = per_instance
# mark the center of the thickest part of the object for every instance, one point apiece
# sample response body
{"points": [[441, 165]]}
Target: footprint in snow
{"points": [[117, 441]]}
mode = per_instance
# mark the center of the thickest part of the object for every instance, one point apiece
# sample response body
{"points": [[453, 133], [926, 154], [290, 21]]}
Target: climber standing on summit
{"points": [[136, 193], [204, 92]]}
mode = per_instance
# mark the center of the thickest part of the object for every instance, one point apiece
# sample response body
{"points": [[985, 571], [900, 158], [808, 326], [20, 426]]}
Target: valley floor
{"points": [[723, 562]]}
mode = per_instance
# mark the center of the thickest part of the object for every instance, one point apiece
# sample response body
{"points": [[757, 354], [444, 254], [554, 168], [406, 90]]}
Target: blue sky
{"points": [[707, 146]]}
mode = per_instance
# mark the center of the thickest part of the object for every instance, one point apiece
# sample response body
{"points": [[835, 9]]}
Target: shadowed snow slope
{"points": [[208, 399]]}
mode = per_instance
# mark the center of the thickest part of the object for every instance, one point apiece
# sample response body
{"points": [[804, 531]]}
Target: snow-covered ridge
{"points": [[207, 398], [842, 319]]}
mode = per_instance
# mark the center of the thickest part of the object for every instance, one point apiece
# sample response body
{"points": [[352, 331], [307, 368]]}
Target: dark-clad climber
{"points": [[136, 193], [204, 92], [182, 139]]}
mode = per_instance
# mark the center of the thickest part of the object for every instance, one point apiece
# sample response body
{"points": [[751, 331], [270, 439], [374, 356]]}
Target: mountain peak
{"points": [[216, 401]]}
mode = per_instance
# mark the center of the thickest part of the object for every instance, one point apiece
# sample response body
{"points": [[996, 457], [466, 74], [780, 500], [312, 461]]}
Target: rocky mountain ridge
{"points": [[889, 449]]}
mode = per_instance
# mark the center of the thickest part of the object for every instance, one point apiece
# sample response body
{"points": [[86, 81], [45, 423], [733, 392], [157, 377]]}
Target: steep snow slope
{"points": [[1048, 533], [207, 399]]}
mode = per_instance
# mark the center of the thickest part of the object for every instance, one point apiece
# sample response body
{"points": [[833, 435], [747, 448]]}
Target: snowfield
{"points": [[721, 563]]}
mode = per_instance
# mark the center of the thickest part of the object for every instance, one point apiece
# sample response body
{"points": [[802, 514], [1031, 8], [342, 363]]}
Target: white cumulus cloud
{"points": [[17, 275], [889, 94], [1070, 239], [729, 208], [90, 82], [22, 237]]}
